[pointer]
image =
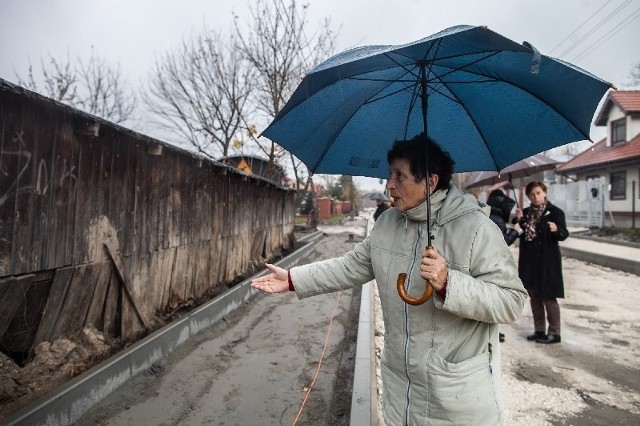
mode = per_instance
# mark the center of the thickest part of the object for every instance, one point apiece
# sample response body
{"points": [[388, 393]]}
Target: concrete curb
{"points": [[625, 265], [364, 400], [77, 396]]}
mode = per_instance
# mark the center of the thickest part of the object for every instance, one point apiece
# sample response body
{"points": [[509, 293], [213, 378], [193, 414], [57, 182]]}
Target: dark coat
{"points": [[382, 207], [501, 206], [540, 261]]}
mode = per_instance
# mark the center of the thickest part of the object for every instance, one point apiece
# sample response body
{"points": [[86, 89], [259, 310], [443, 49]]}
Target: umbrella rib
{"points": [[475, 124], [523, 89]]}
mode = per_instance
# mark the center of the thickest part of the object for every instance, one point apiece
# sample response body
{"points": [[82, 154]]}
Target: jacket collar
{"points": [[450, 202]]}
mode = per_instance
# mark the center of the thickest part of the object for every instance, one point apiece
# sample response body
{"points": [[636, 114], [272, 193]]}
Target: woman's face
{"points": [[402, 186], [537, 196]]}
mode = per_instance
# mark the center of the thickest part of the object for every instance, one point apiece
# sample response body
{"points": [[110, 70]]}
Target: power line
{"points": [[596, 27], [608, 35], [579, 27]]}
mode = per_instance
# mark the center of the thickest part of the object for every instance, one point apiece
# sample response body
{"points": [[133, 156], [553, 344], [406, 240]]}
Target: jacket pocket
{"points": [[462, 393]]}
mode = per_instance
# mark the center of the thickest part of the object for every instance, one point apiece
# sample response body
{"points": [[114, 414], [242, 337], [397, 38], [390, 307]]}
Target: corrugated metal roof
{"points": [[600, 154]]}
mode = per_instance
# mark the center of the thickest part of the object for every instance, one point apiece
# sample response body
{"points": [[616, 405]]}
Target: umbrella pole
{"points": [[424, 101], [515, 195], [428, 291]]}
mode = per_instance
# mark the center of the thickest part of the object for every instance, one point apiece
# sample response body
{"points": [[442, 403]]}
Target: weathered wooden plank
{"points": [[122, 190], [139, 284], [19, 335], [76, 303], [55, 301], [66, 184], [160, 277], [128, 293], [200, 267], [139, 210], [83, 207], [214, 261], [112, 314], [155, 207], [95, 313], [20, 148], [167, 280], [13, 292], [178, 278]]}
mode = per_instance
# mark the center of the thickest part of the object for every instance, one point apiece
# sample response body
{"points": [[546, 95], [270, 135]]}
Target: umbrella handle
{"points": [[406, 297]]}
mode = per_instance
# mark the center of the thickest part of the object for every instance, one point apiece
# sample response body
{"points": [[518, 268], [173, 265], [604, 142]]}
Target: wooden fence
{"points": [[102, 226]]}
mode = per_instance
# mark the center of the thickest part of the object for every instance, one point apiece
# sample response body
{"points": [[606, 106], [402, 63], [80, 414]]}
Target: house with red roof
{"points": [[616, 158]]}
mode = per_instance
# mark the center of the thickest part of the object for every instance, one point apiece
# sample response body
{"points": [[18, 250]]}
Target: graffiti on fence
{"points": [[9, 157], [17, 183]]}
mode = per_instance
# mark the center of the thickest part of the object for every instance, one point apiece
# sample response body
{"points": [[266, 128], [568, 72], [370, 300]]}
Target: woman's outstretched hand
{"points": [[275, 282]]}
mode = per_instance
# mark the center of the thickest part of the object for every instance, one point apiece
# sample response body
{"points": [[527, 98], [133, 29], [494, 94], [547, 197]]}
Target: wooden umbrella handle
{"points": [[406, 297]]}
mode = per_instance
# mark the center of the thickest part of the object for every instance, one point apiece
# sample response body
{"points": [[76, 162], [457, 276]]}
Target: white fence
{"points": [[582, 202]]}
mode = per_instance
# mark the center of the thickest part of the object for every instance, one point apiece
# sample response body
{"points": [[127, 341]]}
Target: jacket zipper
{"points": [[406, 324]]}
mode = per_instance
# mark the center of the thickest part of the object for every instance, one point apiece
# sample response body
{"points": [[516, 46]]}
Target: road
{"points": [[258, 365]]}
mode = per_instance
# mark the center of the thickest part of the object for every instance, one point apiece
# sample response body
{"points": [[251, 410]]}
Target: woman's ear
{"points": [[433, 182]]}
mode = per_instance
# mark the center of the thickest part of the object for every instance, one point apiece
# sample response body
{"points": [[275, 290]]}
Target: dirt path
{"points": [[254, 368], [593, 376]]}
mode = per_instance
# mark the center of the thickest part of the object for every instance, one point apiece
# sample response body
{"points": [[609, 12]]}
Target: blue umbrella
{"points": [[487, 100], [376, 196], [523, 168]]}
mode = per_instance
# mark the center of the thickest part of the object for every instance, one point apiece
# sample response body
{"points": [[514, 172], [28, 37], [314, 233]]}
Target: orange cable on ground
{"points": [[324, 349]]}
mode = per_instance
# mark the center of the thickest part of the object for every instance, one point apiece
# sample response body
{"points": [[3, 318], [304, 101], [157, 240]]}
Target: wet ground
{"points": [[267, 363], [593, 376], [276, 360]]}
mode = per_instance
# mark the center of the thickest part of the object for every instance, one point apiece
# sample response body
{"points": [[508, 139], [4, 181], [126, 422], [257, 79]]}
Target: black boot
{"points": [[550, 338], [537, 335]]}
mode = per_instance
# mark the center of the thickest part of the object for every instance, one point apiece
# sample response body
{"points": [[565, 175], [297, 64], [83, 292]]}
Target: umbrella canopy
{"points": [[487, 100], [523, 168], [377, 196]]}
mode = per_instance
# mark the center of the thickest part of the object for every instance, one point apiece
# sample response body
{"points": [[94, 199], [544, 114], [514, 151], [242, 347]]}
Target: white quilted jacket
{"points": [[441, 360]]}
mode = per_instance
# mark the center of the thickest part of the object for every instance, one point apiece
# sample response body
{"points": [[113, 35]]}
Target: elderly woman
{"points": [[540, 261], [441, 360]]}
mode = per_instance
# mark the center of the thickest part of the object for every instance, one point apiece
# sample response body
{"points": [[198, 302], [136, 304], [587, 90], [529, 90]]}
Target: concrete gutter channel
{"points": [[76, 397]]}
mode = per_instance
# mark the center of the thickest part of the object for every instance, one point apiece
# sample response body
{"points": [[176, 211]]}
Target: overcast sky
{"points": [[598, 35]]}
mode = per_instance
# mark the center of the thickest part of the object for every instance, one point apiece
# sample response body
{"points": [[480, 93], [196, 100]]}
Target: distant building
{"points": [[253, 165], [616, 158]]}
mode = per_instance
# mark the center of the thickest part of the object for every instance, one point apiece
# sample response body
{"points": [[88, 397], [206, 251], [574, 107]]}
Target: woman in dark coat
{"points": [[540, 262]]}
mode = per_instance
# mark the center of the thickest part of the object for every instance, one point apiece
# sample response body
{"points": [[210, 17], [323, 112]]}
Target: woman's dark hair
{"points": [[413, 150], [532, 185]]}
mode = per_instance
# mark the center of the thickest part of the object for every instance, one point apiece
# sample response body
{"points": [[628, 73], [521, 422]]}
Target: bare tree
{"points": [[277, 43], [93, 87], [200, 91], [106, 92], [634, 75]]}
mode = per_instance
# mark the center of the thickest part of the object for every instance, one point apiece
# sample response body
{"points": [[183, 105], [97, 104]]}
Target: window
{"points": [[618, 186], [618, 131]]}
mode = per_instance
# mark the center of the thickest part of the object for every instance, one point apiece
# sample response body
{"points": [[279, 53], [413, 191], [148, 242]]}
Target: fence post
{"points": [[633, 204]]}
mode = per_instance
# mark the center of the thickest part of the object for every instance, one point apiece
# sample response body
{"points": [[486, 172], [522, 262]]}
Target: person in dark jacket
{"points": [[540, 262], [382, 206], [501, 206]]}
